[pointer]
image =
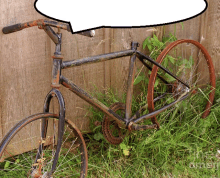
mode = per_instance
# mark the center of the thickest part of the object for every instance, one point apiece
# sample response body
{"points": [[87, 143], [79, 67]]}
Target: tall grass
{"points": [[184, 146]]}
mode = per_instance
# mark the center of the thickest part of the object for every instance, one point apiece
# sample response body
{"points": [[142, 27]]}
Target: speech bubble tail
{"points": [[78, 25], [84, 16]]}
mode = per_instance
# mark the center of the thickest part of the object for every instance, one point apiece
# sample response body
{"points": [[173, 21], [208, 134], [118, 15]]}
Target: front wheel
{"points": [[24, 152], [190, 62]]}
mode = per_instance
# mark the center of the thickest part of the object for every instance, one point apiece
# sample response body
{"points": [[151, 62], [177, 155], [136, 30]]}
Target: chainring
{"points": [[110, 128]]}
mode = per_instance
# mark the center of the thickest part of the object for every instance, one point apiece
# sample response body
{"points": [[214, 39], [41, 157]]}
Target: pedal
{"points": [[133, 126]]}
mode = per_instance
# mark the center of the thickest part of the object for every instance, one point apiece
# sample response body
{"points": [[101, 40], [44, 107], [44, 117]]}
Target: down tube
{"points": [[93, 101]]}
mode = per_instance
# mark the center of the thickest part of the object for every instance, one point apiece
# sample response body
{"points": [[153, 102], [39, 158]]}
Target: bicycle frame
{"points": [[129, 122], [93, 101], [59, 64], [58, 79]]}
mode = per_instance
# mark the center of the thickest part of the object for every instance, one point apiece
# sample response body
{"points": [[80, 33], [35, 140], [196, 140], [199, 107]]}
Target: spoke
{"points": [[204, 95], [24, 164], [67, 162], [67, 152], [53, 152], [162, 93], [17, 165]]}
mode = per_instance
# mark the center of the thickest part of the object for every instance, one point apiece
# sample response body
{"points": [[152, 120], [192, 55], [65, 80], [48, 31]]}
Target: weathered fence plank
{"points": [[25, 60]]}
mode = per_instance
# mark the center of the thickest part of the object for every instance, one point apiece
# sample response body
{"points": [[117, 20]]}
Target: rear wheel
{"points": [[19, 149], [190, 62]]}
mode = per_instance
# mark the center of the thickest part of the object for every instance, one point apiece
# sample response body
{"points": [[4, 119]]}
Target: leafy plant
{"points": [[189, 148], [125, 148], [155, 46]]}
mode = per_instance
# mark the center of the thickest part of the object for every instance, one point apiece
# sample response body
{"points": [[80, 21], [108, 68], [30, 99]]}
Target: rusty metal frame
{"points": [[133, 53], [58, 79]]}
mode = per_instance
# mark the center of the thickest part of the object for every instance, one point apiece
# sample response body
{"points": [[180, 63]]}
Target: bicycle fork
{"points": [[57, 60]]}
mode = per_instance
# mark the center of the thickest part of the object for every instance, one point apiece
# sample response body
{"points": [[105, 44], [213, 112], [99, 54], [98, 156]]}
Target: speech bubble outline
{"points": [[54, 9]]}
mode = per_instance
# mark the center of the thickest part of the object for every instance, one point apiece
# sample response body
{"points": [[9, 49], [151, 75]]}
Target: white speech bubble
{"points": [[91, 14]]}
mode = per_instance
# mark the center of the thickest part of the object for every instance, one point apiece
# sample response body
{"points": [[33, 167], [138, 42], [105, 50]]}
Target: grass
{"points": [[185, 146]]}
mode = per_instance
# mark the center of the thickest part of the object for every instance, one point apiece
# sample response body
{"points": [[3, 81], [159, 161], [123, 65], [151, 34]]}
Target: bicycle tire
{"points": [[20, 146], [191, 54]]}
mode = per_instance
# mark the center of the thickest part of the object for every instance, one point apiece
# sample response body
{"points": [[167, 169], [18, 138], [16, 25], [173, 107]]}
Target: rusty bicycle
{"points": [[59, 150]]}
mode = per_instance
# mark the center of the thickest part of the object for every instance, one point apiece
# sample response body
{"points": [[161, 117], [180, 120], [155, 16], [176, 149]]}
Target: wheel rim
{"points": [[19, 153], [193, 57]]}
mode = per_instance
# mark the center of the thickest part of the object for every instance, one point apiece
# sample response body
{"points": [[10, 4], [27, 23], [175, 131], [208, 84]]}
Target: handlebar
{"points": [[41, 23]]}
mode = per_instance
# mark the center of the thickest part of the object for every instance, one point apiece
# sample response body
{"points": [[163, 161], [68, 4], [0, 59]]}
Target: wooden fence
{"points": [[25, 67]]}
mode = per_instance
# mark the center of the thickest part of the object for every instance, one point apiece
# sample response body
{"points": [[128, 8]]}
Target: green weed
{"points": [[189, 147], [185, 145]]}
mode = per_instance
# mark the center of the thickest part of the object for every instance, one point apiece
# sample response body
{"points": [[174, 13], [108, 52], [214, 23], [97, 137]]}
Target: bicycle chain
{"points": [[107, 123]]}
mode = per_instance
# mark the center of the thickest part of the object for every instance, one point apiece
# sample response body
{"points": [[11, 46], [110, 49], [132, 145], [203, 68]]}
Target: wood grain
{"points": [[25, 67]]}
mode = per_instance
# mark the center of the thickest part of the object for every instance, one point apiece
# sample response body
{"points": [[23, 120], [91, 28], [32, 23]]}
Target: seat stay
{"points": [[142, 56]]}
